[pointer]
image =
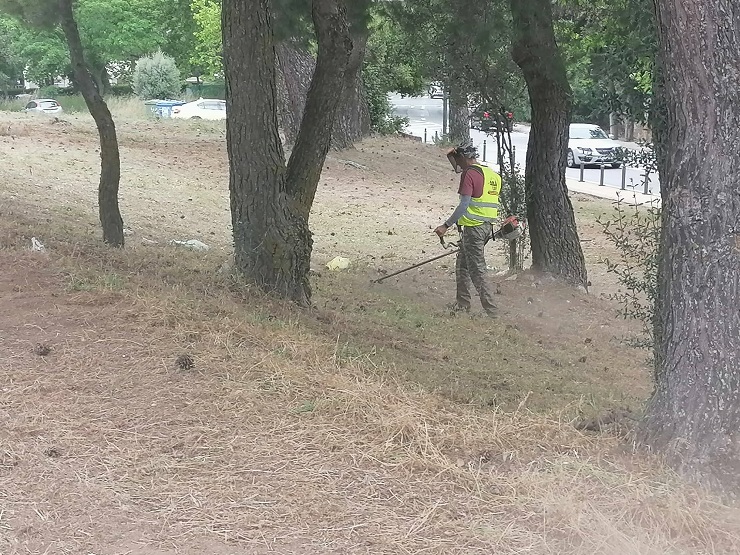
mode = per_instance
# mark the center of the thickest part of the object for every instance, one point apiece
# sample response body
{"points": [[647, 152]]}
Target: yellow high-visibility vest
{"points": [[484, 209]]}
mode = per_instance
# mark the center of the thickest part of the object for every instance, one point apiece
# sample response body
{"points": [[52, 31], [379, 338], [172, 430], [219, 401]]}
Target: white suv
{"points": [[588, 144]]}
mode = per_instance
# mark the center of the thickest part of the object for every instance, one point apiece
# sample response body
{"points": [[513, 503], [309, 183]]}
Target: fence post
{"points": [[624, 176], [425, 135], [601, 177], [436, 137], [513, 156], [647, 183], [582, 167], [484, 150]]}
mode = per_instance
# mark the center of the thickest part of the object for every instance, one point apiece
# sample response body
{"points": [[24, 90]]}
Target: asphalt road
{"points": [[425, 119]]}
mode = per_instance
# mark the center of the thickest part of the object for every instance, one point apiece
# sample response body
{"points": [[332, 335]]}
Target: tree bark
{"points": [[335, 55], [110, 162], [629, 129], [459, 113], [556, 248], [272, 241], [694, 414], [296, 66], [352, 123]]}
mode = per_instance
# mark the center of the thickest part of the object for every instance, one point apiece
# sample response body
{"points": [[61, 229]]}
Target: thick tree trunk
{"points": [[556, 248], [110, 162], [352, 123], [272, 241], [694, 415], [295, 70], [459, 113]]}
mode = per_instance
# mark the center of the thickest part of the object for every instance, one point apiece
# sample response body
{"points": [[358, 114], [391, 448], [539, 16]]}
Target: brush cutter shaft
{"points": [[415, 266]]}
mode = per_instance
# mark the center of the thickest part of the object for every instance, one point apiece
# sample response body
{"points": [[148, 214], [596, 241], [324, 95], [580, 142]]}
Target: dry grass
{"points": [[324, 431]]}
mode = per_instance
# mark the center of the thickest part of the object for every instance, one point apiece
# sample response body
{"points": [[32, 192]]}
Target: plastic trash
{"points": [[192, 244], [37, 245], [338, 263]]}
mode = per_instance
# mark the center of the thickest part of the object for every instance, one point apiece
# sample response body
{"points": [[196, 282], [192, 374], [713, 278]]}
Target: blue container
{"points": [[163, 108]]}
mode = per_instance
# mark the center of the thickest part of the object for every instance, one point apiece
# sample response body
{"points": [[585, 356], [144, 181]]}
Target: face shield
{"points": [[454, 160]]}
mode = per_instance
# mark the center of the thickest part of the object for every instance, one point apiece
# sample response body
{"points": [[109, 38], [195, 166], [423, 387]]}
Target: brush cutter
{"points": [[511, 229]]}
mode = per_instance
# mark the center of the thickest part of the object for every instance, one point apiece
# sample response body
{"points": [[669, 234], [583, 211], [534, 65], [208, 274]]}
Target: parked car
{"points": [[484, 119], [589, 144], [44, 105], [203, 108]]}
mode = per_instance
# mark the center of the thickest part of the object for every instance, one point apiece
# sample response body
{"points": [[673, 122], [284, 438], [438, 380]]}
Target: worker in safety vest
{"points": [[479, 192]]}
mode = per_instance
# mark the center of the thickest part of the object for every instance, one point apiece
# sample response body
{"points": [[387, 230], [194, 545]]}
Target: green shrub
{"points": [[120, 90], [156, 76], [52, 91], [382, 119], [635, 232], [72, 104], [514, 203], [11, 104], [207, 90]]}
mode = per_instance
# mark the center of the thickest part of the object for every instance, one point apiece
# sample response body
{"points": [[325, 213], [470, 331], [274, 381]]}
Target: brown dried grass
{"points": [[277, 439], [274, 442]]}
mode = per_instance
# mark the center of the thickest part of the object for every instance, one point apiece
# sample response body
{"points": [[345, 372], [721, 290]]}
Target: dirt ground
{"points": [[153, 404]]}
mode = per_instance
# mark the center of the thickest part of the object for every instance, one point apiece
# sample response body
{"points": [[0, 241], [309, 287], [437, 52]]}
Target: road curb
{"points": [[628, 195]]}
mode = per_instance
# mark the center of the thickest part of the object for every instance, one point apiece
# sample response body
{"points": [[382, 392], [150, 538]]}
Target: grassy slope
{"points": [[372, 424]]}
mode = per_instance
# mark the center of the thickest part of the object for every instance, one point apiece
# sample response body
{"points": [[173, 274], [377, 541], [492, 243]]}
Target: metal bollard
{"points": [[425, 135], [484, 150], [436, 137], [513, 155], [624, 176], [601, 178], [582, 168]]}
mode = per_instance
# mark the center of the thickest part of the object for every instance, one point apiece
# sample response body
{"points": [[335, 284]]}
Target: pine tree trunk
{"points": [[296, 66], [459, 113], [324, 101], [110, 162], [556, 248], [352, 123], [272, 241], [694, 415]]}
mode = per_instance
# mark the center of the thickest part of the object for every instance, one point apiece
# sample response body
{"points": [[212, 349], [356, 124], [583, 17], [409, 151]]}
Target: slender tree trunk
{"points": [[296, 67], [323, 103], [110, 162], [614, 124], [459, 113], [556, 248], [352, 123], [629, 129], [694, 415], [272, 241]]}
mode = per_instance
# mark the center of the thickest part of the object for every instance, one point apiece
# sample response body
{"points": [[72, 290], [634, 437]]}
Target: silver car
{"points": [[44, 105], [588, 144]]}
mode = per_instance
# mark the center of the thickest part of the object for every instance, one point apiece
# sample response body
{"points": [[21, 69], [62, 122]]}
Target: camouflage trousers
{"points": [[471, 267]]}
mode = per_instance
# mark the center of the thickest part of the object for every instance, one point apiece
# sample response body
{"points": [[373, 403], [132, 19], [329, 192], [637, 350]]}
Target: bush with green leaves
{"points": [[514, 203], [644, 158], [635, 232], [156, 76]]}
